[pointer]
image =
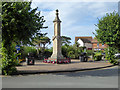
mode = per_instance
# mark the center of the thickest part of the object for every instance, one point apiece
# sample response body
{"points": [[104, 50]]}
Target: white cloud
{"points": [[75, 0], [78, 18]]}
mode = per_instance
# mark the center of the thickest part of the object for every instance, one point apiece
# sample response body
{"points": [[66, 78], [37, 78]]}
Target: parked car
{"points": [[117, 56], [103, 56]]}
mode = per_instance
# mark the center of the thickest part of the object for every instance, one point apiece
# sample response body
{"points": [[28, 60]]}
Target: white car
{"points": [[118, 56]]}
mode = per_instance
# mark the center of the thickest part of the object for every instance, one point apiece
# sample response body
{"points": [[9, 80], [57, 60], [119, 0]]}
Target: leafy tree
{"points": [[41, 40], [44, 41], [110, 55], [65, 40], [19, 23], [72, 51], [76, 45], [77, 49], [108, 32]]}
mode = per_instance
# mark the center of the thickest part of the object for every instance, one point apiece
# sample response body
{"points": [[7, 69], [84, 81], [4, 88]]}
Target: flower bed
{"points": [[60, 61]]}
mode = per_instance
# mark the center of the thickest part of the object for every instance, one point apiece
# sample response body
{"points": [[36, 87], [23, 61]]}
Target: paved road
{"points": [[103, 78]]}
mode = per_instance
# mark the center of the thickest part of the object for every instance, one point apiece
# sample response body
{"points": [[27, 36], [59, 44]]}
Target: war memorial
{"points": [[57, 56]]}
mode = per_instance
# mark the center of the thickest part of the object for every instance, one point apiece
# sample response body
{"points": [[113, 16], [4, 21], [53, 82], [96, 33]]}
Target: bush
{"points": [[26, 49], [64, 51], [47, 53], [71, 51], [97, 56], [68, 51], [89, 52], [9, 60], [71, 54], [44, 53]]}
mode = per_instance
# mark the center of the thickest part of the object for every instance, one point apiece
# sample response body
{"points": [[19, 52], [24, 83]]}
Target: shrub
{"points": [[71, 51], [9, 60], [71, 54], [77, 53], [89, 52], [97, 56], [26, 49], [47, 53], [64, 51]]}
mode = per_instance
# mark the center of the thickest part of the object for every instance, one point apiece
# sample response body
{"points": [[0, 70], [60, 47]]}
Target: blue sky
{"points": [[78, 18]]}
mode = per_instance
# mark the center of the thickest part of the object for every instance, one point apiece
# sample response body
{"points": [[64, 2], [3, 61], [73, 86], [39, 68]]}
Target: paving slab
{"points": [[75, 65]]}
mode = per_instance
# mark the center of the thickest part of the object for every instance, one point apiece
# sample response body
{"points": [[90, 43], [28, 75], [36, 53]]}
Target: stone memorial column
{"points": [[57, 55]]}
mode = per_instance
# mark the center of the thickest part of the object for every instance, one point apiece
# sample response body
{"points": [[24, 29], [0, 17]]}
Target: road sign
{"points": [[97, 44], [17, 47]]}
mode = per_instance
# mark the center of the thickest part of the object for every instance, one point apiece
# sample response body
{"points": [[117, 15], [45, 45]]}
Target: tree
{"points": [[20, 22], [77, 49], [41, 40], [108, 32], [65, 40], [76, 45], [72, 51]]}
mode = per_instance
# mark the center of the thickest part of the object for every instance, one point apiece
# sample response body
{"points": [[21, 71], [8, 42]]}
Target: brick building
{"points": [[84, 42], [98, 46], [90, 43]]}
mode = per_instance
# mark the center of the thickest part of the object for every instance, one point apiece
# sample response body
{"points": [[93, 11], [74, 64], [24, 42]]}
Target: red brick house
{"points": [[90, 43], [98, 46]]}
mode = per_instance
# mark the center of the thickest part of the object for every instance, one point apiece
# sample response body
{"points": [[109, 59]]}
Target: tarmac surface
{"points": [[75, 65], [100, 78]]}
